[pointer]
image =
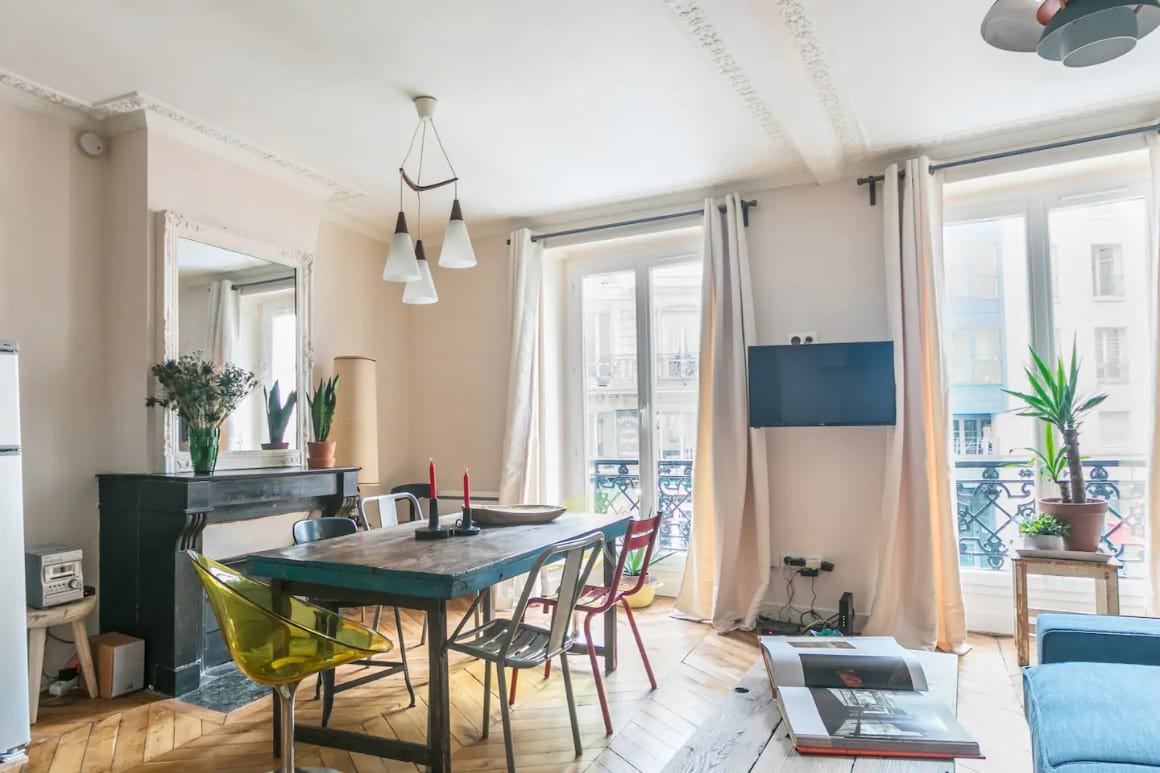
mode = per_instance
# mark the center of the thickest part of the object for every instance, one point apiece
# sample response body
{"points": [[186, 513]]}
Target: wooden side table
{"points": [[1107, 579], [39, 621]]}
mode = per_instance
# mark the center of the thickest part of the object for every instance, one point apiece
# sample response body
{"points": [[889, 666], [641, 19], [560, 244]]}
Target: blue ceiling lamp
{"points": [[1078, 33]]}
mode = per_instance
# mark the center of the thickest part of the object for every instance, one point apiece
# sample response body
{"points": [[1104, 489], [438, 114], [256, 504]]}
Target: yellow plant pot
{"points": [[643, 597]]}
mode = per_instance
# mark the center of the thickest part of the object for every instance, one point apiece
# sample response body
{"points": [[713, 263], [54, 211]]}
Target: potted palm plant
{"points": [[278, 416], [320, 452], [203, 396], [1055, 400]]}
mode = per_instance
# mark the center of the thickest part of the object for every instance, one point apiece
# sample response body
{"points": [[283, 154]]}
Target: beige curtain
{"points": [[1154, 466], [531, 458], [918, 599], [727, 569]]}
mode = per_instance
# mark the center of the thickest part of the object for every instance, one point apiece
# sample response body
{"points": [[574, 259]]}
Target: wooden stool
{"points": [[1107, 597], [39, 621]]}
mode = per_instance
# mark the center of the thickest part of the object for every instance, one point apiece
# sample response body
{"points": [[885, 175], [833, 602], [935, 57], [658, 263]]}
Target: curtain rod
{"points": [[745, 207], [261, 282], [873, 180]]}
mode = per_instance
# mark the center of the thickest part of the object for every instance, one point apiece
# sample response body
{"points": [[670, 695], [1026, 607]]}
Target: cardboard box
{"points": [[120, 663]]}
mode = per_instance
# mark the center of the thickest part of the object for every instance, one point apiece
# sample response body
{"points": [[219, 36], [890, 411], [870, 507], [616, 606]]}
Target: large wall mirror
{"points": [[237, 300]]}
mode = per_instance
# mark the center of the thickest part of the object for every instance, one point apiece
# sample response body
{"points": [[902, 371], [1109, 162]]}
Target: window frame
{"points": [[1117, 273]]}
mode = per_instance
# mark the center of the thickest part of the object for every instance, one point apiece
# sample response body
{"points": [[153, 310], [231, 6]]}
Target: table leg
{"points": [[36, 638], [610, 616], [85, 656], [438, 698], [1112, 591], [1022, 625]]}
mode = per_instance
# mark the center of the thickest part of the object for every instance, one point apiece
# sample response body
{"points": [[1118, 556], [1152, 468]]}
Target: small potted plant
{"points": [[1055, 400], [646, 594], [1043, 532], [203, 396], [320, 452], [278, 416]]}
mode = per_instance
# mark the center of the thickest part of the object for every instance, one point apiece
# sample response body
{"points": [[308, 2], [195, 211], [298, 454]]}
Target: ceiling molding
{"points": [[814, 57], [703, 31], [110, 114], [1028, 131]]}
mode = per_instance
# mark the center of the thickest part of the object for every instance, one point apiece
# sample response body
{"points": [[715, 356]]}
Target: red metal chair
{"points": [[595, 600]]}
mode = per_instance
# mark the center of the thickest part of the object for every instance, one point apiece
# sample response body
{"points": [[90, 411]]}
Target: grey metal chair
{"points": [[516, 644]]}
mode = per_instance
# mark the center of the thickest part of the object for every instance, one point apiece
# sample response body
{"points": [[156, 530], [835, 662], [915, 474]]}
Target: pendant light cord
{"points": [[407, 158], [446, 157]]}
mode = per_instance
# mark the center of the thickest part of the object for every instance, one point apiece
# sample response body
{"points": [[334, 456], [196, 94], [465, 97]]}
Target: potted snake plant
{"points": [[1055, 400], [278, 416], [320, 451]]}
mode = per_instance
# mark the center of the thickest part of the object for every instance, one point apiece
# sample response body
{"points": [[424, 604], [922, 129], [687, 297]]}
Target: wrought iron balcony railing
{"points": [[615, 484], [992, 496], [619, 370]]}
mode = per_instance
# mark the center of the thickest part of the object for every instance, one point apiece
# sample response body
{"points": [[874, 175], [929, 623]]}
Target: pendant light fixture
{"points": [[406, 262]]}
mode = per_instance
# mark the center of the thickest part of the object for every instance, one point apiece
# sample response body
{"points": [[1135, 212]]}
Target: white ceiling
{"points": [[550, 107]]}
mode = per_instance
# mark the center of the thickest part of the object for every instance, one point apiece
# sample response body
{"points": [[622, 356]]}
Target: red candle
{"points": [[431, 473], [466, 489]]}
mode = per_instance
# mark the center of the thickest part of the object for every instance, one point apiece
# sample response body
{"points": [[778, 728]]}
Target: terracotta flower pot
{"points": [[320, 455], [1086, 521]]}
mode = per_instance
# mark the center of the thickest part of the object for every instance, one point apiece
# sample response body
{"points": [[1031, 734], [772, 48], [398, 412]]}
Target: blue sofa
{"points": [[1093, 702]]}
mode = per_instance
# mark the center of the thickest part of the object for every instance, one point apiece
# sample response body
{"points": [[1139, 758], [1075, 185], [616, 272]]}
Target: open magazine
{"points": [[860, 695]]}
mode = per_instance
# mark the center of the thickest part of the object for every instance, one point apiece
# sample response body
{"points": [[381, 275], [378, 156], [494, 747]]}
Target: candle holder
{"points": [[464, 527], [432, 530]]}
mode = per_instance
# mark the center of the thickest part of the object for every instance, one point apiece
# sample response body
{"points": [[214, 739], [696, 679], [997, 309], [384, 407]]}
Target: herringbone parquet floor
{"points": [[695, 668]]}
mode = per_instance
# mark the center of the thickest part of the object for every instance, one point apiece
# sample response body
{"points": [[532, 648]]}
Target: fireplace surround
{"points": [[148, 588]]}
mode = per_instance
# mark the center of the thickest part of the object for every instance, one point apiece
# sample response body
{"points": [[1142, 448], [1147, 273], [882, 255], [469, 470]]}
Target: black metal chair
{"points": [[313, 530], [417, 490]]}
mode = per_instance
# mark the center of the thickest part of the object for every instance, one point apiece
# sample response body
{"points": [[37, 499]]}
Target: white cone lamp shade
{"points": [[402, 265], [457, 251], [422, 290], [356, 418]]}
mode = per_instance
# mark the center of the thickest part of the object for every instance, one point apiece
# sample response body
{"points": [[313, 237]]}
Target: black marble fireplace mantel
{"points": [[148, 587]]}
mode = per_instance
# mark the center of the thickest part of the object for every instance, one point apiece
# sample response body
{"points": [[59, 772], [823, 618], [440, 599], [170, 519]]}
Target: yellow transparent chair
{"points": [[282, 646]]}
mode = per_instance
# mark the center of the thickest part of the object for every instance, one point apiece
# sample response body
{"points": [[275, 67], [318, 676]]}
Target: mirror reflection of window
{"points": [[242, 309]]}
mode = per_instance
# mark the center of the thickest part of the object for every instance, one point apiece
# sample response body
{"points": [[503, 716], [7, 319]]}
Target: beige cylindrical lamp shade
{"points": [[356, 418]]}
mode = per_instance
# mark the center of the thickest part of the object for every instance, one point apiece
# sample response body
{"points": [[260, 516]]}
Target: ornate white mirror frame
{"points": [[172, 226]]}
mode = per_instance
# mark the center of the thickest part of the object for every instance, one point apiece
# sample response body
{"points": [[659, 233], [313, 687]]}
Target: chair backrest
{"points": [[573, 577], [386, 505], [315, 529], [641, 535], [256, 630], [417, 491]]}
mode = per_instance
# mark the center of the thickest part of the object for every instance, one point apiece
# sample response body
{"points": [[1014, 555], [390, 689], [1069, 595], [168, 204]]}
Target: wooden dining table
{"points": [[389, 566]]}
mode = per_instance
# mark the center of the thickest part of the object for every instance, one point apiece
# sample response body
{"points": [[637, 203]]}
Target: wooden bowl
{"points": [[516, 515]]}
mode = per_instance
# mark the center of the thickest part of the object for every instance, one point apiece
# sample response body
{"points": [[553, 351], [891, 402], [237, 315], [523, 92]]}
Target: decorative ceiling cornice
{"points": [[693, 15], [814, 57], [133, 102]]}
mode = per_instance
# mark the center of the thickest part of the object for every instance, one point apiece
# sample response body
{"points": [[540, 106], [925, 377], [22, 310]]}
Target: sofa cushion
{"points": [[1098, 639], [1093, 717]]}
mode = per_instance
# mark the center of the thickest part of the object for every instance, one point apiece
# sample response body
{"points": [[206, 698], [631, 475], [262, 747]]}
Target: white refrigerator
{"points": [[14, 729]]}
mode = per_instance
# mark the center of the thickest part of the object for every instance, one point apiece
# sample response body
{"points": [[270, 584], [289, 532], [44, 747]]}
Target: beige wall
{"points": [[459, 373], [816, 261], [52, 228], [356, 312]]}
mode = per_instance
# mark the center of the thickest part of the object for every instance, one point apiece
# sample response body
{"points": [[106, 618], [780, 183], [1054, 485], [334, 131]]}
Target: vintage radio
{"points": [[52, 575]]}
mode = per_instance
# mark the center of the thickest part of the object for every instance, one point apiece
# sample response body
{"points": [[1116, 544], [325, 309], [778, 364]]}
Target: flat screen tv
{"points": [[822, 385]]}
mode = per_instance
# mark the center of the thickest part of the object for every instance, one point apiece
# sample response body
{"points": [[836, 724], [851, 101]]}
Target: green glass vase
{"points": [[203, 449]]}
